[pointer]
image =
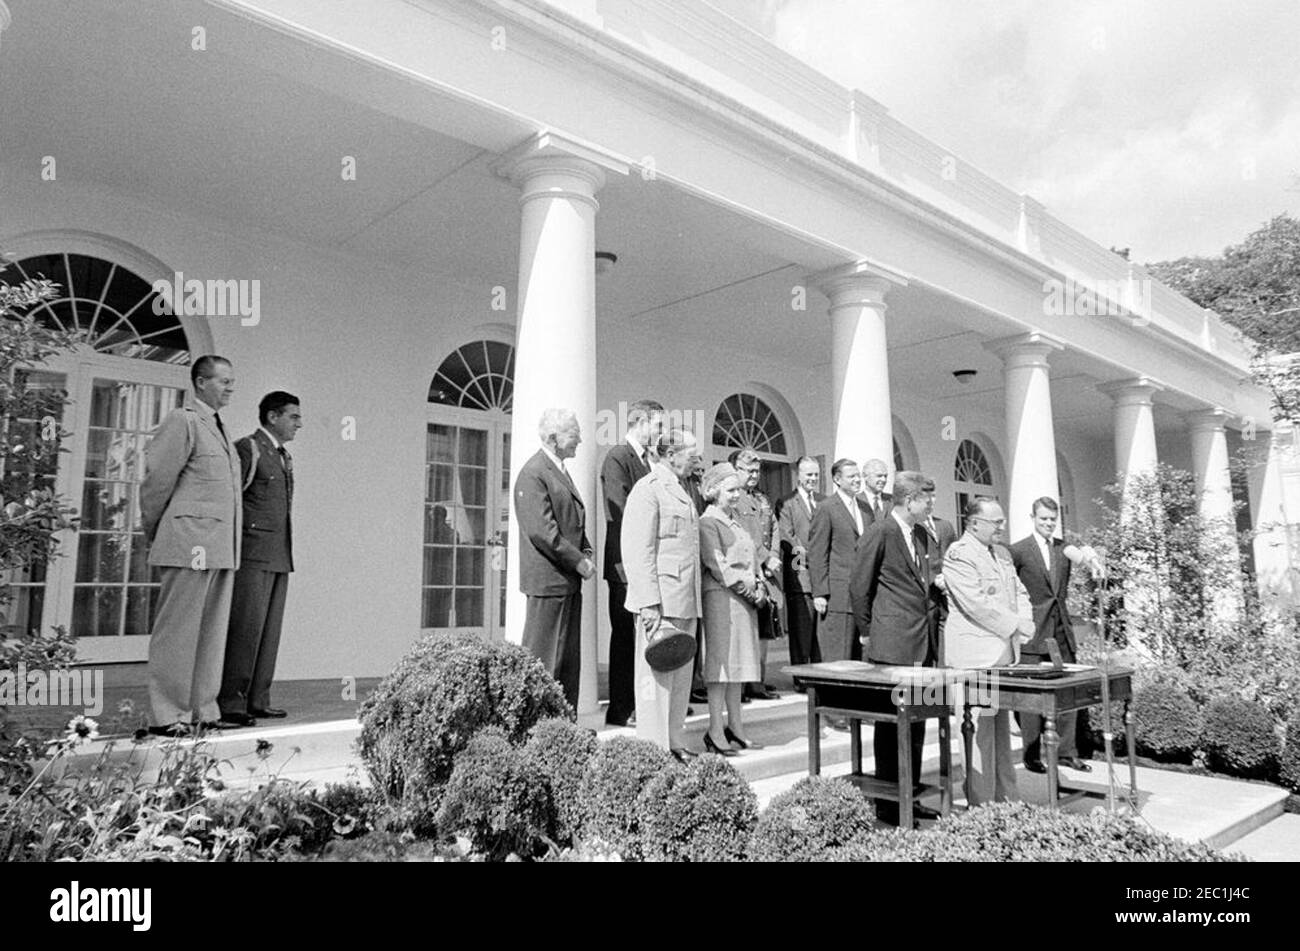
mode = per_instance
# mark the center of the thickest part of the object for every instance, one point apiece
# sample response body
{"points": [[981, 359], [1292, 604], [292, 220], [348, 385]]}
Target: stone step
{"points": [[1278, 840]]}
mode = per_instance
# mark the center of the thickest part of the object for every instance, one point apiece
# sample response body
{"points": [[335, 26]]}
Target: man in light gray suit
{"points": [[795, 519], [192, 514]]}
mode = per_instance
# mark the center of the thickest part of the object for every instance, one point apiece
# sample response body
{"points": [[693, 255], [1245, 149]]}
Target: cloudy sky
{"points": [[1168, 126]]}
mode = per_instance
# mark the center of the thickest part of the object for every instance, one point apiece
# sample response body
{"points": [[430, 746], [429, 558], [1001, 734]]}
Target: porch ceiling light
{"points": [[605, 260], [964, 376]]}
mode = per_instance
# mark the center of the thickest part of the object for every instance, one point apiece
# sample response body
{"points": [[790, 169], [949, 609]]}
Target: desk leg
{"points": [[1132, 756], [968, 744], [855, 745], [814, 733], [1051, 743], [945, 767], [904, 768]]}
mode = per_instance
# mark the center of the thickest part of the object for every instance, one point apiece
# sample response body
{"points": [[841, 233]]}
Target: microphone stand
{"points": [[1107, 731]]}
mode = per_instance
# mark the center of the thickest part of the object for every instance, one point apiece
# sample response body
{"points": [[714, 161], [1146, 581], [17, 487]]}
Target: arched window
{"points": [[110, 305], [467, 489], [745, 421], [479, 375], [972, 476], [130, 369]]}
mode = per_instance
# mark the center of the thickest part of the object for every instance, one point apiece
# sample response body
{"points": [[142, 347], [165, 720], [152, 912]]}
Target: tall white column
{"points": [[555, 345], [1271, 521], [1031, 434], [1209, 437], [1135, 456], [860, 406], [1135, 427], [1207, 430]]}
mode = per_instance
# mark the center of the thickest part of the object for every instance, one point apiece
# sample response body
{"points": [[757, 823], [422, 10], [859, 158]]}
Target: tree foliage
{"points": [[1255, 287]]}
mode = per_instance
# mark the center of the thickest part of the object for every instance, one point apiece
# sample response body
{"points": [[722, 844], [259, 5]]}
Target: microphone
{"points": [[1085, 556]]}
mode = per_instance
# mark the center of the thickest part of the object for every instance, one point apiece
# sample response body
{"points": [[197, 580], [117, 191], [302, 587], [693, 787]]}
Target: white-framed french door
{"points": [[466, 521], [101, 587]]}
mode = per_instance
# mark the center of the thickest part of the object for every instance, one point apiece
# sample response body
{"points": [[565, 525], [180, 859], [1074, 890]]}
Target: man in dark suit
{"points": [[890, 595], [875, 474], [942, 534], [624, 464], [554, 554], [795, 516], [262, 581], [1044, 570], [833, 537], [191, 515]]}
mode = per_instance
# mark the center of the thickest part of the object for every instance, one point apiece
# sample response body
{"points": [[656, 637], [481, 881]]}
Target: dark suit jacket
{"points": [[1047, 593], [891, 596], [945, 535], [795, 523], [832, 546], [268, 534], [552, 528], [618, 473]]}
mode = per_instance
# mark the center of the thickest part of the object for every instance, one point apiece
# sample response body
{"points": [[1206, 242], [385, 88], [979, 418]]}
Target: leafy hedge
{"points": [[447, 689], [1017, 832], [1290, 760], [808, 822], [701, 812], [499, 798], [608, 793], [561, 751], [1166, 722], [1239, 738]]}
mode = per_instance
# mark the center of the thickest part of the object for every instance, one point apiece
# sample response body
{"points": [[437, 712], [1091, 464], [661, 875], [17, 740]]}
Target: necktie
{"points": [[221, 429], [287, 461]]}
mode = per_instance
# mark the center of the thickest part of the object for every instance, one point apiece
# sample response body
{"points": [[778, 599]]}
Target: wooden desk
{"points": [[867, 692], [1050, 699]]}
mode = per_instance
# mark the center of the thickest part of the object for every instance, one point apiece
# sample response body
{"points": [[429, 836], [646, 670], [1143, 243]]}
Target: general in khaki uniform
{"points": [[989, 618], [661, 556], [191, 511]]}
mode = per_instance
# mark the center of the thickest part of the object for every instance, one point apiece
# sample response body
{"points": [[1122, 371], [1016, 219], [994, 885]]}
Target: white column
{"points": [[1135, 455], [1209, 437], [860, 408], [1270, 521], [1135, 428], [555, 345], [1210, 467], [1031, 434]]}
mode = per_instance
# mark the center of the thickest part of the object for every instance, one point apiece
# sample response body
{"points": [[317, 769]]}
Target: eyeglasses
{"points": [[991, 521]]}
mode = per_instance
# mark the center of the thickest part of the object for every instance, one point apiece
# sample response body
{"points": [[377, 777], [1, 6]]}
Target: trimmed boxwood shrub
{"points": [[1018, 832], [1238, 738], [1290, 771], [498, 798], [562, 750], [1167, 722], [609, 789], [807, 822], [702, 812], [438, 697]]}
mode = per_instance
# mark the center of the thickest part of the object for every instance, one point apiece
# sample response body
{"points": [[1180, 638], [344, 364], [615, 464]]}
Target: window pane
{"points": [[472, 486], [469, 567], [101, 557], [104, 505], [469, 607], [437, 608], [438, 565], [473, 447], [440, 445], [96, 611], [440, 485], [141, 602]]}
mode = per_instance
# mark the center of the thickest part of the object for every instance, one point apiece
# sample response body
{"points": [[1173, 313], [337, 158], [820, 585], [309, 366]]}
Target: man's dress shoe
{"points": [[1035, 766], [228, 721], [1076, 763], [271, 713], [924, 812]]}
